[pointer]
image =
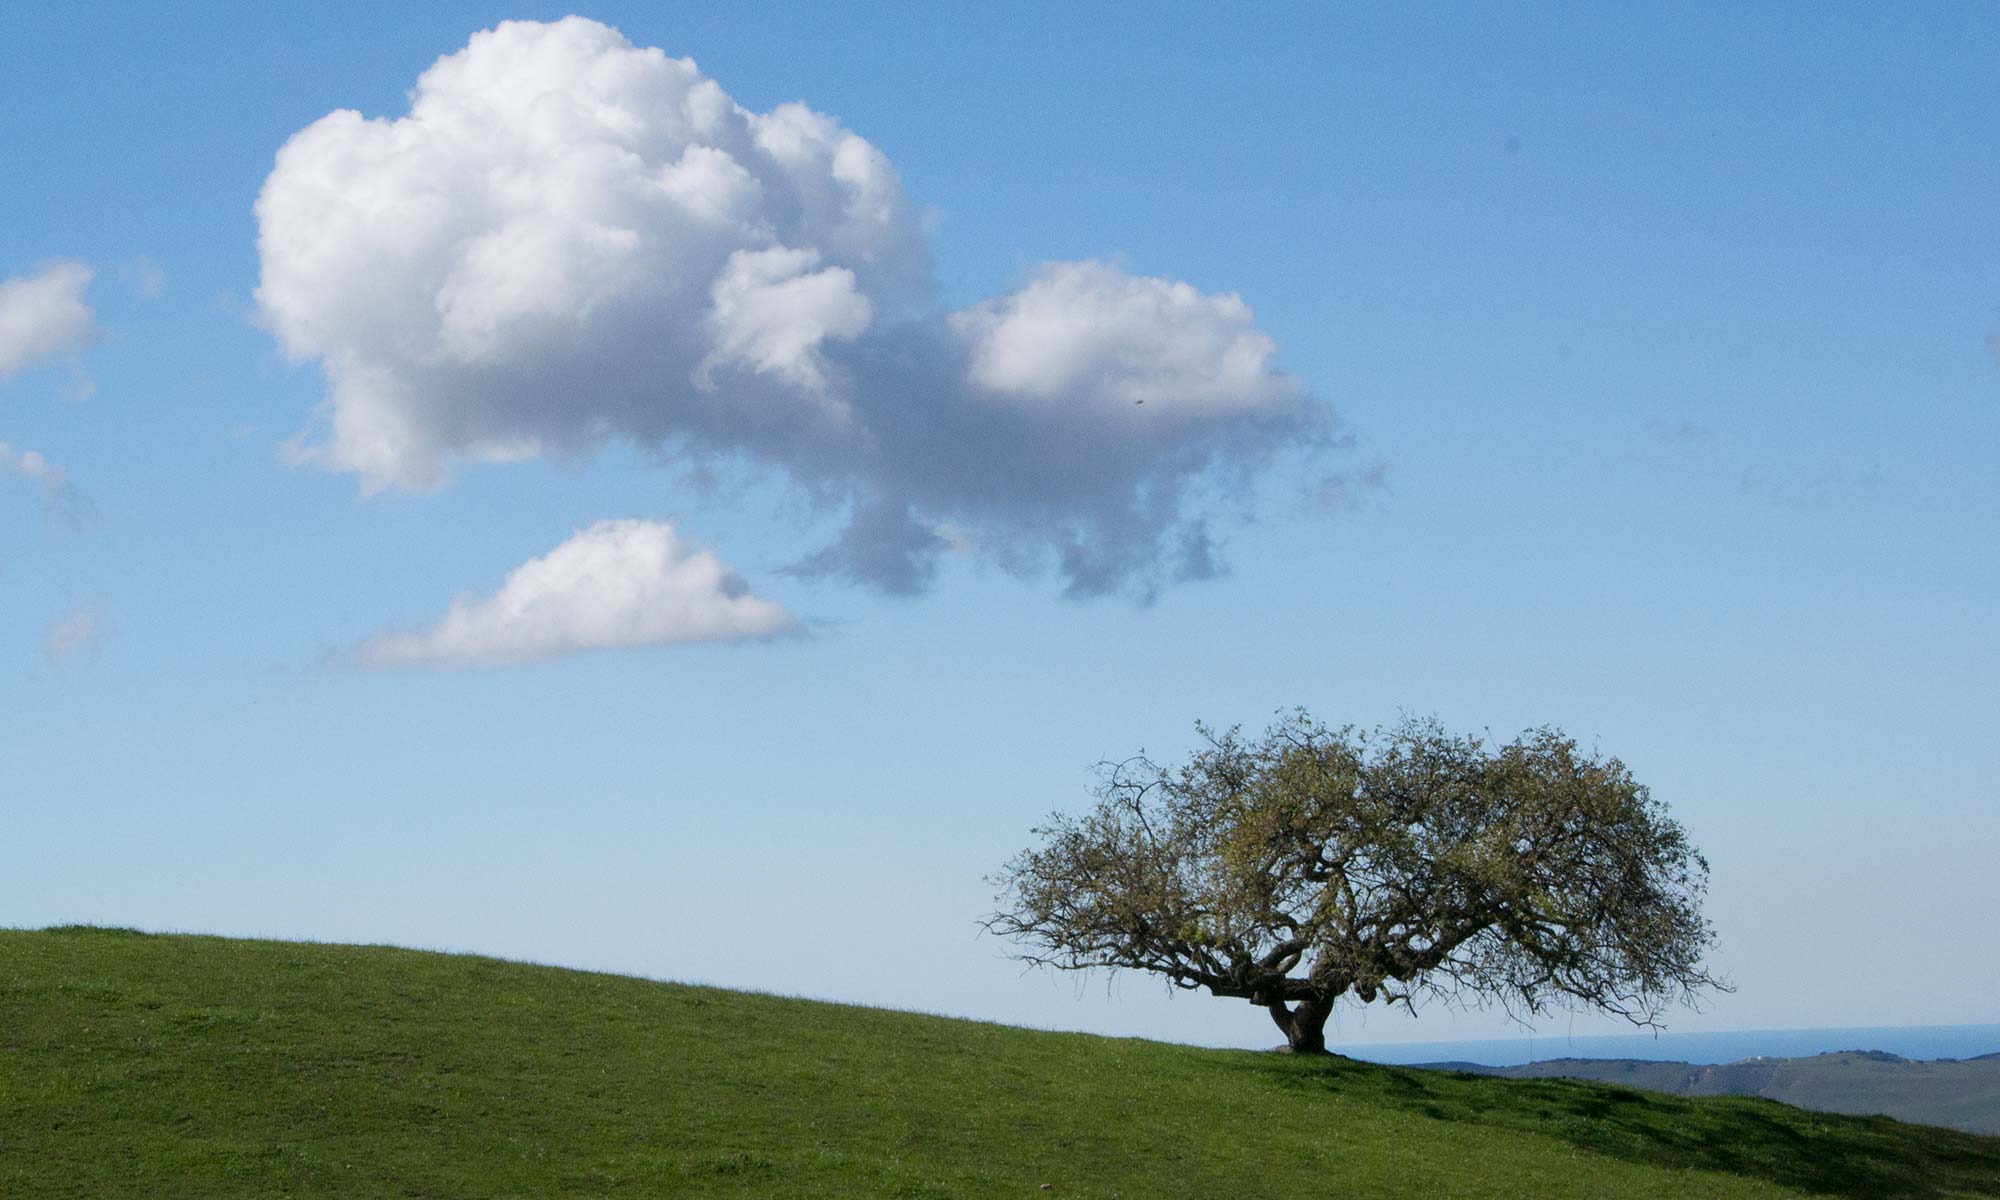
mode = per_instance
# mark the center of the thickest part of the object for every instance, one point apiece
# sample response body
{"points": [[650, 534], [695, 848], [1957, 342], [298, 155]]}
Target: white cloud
{"points": [[43, 315], [570, 240], [1086, 332], [59, 497], [144, 276], [771, 312], [615, 585], [79, 632]]}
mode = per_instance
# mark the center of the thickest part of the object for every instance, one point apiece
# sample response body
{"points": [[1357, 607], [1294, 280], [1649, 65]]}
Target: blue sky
{"points": [[1663, 351]]}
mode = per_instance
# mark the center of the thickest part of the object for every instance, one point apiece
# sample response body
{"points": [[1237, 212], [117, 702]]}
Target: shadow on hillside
{"points": [[1860, 1157]]}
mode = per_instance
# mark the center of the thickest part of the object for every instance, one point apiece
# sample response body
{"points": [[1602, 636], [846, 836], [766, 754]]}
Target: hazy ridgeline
{"points": [[1909, 1041], [1963, 1094]]}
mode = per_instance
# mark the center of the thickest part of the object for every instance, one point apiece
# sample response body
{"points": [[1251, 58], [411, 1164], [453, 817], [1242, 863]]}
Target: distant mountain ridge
{"points": [[1961, 1093]]}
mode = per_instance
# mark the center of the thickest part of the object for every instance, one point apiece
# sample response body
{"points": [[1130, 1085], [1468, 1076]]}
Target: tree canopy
{"points": [[1315, 864]]}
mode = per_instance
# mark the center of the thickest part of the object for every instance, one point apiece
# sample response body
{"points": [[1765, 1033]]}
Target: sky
{"points": [[685, 491]]}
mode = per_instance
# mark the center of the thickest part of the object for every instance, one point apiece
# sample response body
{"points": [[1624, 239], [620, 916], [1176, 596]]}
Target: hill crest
{"points": [[139, 1065]]}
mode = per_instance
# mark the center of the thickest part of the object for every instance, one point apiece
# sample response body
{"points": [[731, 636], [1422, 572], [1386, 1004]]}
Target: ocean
{"points": [[1914, 1041]]}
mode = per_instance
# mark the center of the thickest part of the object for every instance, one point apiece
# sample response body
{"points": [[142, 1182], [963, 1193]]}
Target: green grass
{"points": [[135, 1065]]}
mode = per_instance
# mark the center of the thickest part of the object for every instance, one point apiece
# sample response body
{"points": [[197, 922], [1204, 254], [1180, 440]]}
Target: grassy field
{"points": [[135, 1065]]}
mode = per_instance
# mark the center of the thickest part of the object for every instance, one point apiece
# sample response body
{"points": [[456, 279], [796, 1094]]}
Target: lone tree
{"points": [[1319, 863]]}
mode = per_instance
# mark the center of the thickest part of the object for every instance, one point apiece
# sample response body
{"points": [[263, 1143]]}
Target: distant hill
{"points": [[1964, 1094], [152, 1066]]}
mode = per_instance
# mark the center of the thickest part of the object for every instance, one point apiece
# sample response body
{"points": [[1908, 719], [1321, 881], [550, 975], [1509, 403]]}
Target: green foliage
{"points": [[180, 1066], [1315, 863]]}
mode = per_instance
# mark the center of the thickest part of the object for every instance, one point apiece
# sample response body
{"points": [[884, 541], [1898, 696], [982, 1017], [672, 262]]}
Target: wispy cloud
{"points": [[615, 585], [43, 315], [60, 499], [81, 632], [143, 276], [1349, 491]]}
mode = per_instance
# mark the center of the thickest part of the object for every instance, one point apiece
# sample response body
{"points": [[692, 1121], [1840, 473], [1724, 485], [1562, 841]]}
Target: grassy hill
{"points": [[135, 1065], [1964, 1094]]}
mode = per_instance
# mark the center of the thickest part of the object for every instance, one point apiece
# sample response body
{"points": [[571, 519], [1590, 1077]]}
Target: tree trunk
{"points": [[1304, 1025]]}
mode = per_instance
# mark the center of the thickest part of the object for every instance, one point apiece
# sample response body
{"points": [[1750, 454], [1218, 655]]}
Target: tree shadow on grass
{"points": [[1861, 1157]]}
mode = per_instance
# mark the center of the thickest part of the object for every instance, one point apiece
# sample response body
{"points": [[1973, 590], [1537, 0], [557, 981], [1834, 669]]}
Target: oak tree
{"points": [[1316, 864]]}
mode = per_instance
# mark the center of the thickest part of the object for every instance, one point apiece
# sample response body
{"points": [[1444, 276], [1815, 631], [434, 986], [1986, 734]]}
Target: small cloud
{"points": [[1348, 491], [615, 585], [81, 632], [1684, 433], [1993, 346], [43, 316], [143, 276], [60, 499]]}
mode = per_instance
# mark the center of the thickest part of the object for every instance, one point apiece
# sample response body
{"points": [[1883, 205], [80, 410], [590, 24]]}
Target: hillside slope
{"points": [[1964, 1094], [135, 1065]]}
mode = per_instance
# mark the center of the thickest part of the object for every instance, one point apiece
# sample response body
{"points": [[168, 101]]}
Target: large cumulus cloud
{"points": [[569, 240]]}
